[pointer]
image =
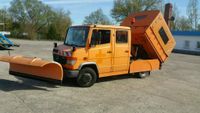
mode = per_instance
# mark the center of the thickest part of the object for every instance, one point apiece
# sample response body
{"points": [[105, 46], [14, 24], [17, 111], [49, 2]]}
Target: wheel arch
{"points": [[92, 65]]}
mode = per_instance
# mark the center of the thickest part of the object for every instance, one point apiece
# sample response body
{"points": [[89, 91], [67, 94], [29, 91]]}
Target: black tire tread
{"points": [[88, 70]]}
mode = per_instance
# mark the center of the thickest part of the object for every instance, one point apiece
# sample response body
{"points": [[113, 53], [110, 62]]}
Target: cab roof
{"points": [[103, 26]]}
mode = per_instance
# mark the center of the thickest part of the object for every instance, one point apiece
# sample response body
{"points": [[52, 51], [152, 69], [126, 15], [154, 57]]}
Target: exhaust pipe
{"points": [[168, 14]]}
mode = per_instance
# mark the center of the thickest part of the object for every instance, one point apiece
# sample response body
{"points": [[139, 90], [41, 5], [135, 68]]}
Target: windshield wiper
{"points": [[74, 45]]}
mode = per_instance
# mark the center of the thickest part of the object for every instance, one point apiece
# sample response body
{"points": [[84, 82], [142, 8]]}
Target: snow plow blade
{"points": [[34, 68]]}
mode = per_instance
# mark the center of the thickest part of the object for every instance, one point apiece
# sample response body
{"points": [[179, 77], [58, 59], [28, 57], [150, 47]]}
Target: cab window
{"points": [[100, 37], [121, 36]]}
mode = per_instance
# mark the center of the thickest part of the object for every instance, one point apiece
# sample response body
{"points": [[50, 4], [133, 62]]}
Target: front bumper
{"points": [[71, 73]]}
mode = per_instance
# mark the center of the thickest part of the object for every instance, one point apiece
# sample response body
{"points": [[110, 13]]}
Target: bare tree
{"points": [[183, 24], [175, 14], [193, 13], [97, 17], [5, 20]]}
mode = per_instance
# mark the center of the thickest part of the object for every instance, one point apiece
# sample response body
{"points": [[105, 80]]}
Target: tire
{"points": [[87, 77], [142, 74]]}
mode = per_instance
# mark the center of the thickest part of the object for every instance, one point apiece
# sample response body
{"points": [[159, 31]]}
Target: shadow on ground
{"points": [[7, 85], [72, 82], [24, 84], [31, 84], [113, 78]]}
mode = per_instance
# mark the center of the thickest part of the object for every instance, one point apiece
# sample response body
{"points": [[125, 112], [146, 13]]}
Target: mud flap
{"points": [[34, 68]]}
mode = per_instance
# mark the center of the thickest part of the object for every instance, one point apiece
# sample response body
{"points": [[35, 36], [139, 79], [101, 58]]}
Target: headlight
{"points": [[70, 62], [65, 53]]}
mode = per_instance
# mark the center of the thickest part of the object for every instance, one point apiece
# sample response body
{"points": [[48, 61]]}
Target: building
{"points": [[187, 42], [5, 32]]}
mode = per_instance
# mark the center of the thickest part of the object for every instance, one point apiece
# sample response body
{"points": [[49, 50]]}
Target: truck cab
{"points": [[100, 50]]}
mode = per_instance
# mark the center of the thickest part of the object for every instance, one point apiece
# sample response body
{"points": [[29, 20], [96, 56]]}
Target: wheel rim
{"points": [[87, 78], [142, 74]]}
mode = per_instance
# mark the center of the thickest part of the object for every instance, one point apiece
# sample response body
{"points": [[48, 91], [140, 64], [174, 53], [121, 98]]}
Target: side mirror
{"points": [[55, 44]]}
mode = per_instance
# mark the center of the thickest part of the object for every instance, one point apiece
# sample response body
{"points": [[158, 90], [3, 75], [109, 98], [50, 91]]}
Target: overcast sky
{"points": [[81, 8]]}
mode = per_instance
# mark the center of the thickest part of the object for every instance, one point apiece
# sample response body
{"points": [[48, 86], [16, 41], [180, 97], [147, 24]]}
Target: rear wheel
{"points": [[87, 77], [142, 74]]}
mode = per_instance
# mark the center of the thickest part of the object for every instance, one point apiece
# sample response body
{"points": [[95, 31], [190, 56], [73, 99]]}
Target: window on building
{"points": [[163, 35], [198, 45], [187, 44], [100, 37], [121, 36]]}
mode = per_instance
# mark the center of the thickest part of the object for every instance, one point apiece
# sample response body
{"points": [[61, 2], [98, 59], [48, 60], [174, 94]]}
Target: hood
{"points": [[63, 50]]}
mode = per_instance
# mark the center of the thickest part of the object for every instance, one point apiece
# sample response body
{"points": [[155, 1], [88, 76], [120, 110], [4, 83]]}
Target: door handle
{"points": [[126, 51], [109, 51]]}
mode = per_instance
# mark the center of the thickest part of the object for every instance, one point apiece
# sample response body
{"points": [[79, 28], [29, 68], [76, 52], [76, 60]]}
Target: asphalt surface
{"points": [[174, 89]]}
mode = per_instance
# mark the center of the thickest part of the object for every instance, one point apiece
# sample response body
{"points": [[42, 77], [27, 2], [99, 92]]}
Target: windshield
{"points": [[77, 36]]}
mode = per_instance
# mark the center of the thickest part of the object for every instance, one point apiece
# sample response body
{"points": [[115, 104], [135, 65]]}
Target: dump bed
{"points": [[150, 31]]}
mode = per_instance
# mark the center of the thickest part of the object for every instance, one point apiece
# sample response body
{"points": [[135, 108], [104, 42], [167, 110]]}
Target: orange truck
{"points": [[138, 46]]}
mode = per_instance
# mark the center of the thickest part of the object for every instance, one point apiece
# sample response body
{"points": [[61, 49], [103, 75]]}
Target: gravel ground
{"points": [[174, 89]]}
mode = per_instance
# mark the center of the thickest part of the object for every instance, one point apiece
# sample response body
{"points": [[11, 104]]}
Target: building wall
{"points": [[189, 43]]}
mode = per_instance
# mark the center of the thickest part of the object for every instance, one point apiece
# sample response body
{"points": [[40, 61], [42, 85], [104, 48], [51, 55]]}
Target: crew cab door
{"points": [[100, 50], [121, 51]]}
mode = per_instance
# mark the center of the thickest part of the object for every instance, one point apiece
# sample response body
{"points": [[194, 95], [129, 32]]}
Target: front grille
{"points": [[59, 59], [55, 50]]}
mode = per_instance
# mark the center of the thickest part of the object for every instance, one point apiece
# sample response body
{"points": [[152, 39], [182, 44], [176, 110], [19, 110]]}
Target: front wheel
{"points": [[87, 77], [142, 74]]}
